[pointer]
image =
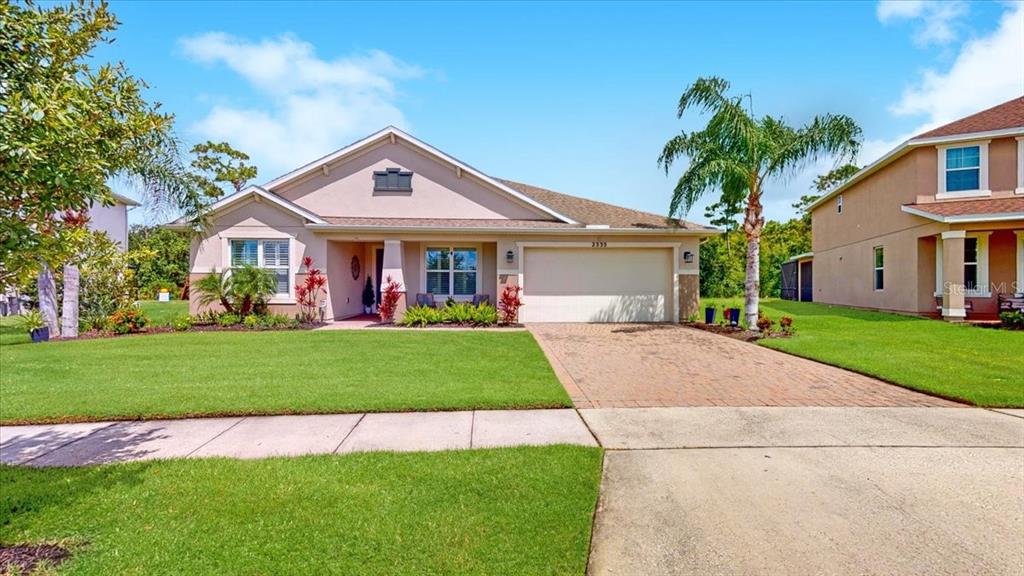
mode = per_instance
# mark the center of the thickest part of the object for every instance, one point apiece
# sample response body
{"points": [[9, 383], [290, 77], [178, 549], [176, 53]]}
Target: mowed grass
{"points": [[161, 313], [283, 372], [983, 366], [501, 511]]}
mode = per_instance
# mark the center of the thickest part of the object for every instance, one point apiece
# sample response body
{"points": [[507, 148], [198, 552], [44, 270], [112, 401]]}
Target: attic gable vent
{"points": [[392, 180]]}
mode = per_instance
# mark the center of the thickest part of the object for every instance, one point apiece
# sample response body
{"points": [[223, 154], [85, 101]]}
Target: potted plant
{"points": [[726, 315], [709, 314], [734, 316], [368, 296], [35, 325]]}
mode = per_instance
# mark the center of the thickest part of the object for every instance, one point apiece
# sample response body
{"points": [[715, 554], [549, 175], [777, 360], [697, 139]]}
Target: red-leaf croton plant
{"points": [[389, 300], [509, 304], [310, 292]]}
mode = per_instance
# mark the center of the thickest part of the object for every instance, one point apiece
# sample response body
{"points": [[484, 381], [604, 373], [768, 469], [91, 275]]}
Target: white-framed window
{"points": [[839, 204], [963, 170], [271, 255], [976, 265], [1020, 262], [451, 271], [879, 276]]}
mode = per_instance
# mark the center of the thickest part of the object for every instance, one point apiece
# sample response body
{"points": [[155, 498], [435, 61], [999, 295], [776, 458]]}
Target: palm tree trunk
{"points": [[69, 314], [46, 288], [752, 286], [753, 223]]}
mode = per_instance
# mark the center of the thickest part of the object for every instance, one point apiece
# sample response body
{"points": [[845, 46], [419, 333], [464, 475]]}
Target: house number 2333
{"points": [[599, 244]]}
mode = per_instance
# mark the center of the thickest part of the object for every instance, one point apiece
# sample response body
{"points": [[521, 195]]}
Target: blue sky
{"points": [[576, 97]]}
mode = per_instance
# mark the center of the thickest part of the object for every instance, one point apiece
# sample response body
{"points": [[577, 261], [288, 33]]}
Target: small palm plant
{"points": [[251, 286], [215, 287]]}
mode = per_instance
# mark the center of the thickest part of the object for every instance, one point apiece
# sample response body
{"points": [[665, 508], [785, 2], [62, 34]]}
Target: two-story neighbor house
{"points": [[934, 227], [393, 206]]}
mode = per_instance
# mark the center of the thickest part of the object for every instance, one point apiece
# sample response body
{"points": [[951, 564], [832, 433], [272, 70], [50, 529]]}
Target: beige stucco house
{"points": [[393, 206], [934, 227]]}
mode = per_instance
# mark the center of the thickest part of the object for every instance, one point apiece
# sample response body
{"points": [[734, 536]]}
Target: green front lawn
{"points": [[982, 366], [505, 511], [161, 313], [209, 373]]}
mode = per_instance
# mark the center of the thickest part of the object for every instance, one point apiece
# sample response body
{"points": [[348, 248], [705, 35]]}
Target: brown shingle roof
{"points": [[445, 222], [972, 207], [593, 212], [1006, 115]]}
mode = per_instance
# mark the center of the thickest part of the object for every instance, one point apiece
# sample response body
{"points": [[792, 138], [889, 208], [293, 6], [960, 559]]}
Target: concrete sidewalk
{"points": [[266, 436]]}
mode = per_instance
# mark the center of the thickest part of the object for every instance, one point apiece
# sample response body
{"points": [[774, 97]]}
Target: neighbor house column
{"points": [[953, 275], [687, 279], [392, 269]]}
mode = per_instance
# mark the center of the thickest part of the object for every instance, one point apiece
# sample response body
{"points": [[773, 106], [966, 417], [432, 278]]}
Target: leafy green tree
{"points": [[159, 256], [736, 153], [216, 164], [215, 287], [67, 128]]}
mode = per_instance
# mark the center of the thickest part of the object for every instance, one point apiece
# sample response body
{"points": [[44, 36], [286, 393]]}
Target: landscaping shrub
{"points": [[456, 313], [389, 300], [207, 318], [368, 295], [127, 321], [483, 315], [252, 321], [276, 321], [182, 323], [764, 324], [1012, 320], [421, 316], [250, 287], [229, 319], [509, 304], [786, 323], [311, 292], [92, 320]]}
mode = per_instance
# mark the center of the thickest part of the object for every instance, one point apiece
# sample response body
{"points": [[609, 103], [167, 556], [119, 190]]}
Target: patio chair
{"points": [[425, 299], [481, 299]]}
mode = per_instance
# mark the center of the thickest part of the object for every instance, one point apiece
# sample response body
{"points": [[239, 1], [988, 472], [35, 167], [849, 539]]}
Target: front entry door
{"points": [[379, 264]]}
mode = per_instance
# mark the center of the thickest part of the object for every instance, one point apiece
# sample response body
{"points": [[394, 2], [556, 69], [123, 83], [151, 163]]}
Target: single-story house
{"points": [[392, 206], [934, 227]]}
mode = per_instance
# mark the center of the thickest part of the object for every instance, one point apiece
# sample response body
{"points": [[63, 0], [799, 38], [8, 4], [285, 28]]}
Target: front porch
{"points": [[979, 272], [427, 269]]}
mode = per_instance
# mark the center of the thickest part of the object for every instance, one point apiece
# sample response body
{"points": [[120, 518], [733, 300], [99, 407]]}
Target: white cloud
{"points": [[936, 20], [315, 105]]}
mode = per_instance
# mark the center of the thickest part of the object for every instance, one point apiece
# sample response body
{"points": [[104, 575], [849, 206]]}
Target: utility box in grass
{"points": [[163, 296]]}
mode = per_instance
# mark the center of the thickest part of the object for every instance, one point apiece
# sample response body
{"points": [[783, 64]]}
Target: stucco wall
{"points": [[437, 191]]}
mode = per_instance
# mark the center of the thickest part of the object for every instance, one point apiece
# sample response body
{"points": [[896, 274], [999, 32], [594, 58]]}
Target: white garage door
{"points": [[597, 285]]}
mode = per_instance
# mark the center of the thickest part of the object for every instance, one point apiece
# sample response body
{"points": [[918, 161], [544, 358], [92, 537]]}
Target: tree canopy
{"points": [[68, 127]]}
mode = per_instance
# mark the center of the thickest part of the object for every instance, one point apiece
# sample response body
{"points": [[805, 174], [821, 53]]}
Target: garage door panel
{"points": [[597, 285]]}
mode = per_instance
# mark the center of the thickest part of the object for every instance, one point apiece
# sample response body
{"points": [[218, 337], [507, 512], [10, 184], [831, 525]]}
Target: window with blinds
{"points": [[271, 255]]}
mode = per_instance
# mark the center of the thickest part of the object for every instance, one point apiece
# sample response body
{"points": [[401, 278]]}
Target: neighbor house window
{"points": [[839, 204], [879, 268], [271, 255], [976, 264], [963, 170], [1020, 167], [971, 263], [451, 271], [392, 180]]}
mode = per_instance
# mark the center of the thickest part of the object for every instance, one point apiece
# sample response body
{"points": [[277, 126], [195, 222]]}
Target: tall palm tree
{"points": [[736, 153]]}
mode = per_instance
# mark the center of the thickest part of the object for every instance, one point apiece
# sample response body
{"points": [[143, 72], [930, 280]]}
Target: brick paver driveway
{"points": [[644, 365]]}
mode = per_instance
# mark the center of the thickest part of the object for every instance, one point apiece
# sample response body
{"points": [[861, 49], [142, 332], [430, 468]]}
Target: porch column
{"points": [[393, 268], [953, 276]]}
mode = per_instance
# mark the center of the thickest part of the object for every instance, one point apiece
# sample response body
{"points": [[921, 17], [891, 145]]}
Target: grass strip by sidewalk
{"points": [[498, 511]]}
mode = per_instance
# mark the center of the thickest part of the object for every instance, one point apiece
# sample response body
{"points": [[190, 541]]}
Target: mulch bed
{"points": [[93, 334], [735, 332], [25, 558]]}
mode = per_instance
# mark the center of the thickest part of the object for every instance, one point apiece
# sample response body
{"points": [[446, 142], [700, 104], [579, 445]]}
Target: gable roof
{"points": [[985, 210], [393, 133], [596, 213], [1006, 119], [259, 193], [1006, 115]]}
